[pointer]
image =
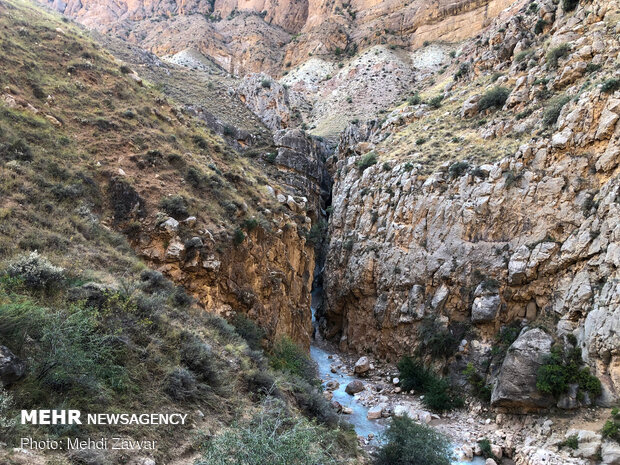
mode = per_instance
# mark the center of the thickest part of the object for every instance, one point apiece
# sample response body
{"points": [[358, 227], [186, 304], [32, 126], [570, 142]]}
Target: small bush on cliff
{"points": [[485, 449], [496, 97], [408, 443], [436, 340], [571, 442], [540, 26], [610, 86], [415, 99], [248, 330], [555, 54], [435, 102], [552, 111], [313, 404], [413, 374], [287, 356], [563, 368], [569, 5], [175, 206], [238, 236], [458, 168], [366, 161]]}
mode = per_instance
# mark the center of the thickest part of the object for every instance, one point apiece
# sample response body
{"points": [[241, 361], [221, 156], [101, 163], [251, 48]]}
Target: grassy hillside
{"points": [[88, 153]]}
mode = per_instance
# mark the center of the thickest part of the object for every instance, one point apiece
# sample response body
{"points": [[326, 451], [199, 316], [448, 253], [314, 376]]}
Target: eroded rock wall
{"points": [[265, 35], [531, 238]]}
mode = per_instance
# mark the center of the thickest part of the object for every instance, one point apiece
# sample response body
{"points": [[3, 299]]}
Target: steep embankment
{"points": [[124, 154], [492, 203], [126, 227]]}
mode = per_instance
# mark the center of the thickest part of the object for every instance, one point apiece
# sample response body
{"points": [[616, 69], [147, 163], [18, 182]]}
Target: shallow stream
{"points": [[358, 418]]}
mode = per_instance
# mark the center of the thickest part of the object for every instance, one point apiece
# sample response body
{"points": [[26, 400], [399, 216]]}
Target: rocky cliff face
{"points": [[531, 237], [265, 35], [267, 276]]}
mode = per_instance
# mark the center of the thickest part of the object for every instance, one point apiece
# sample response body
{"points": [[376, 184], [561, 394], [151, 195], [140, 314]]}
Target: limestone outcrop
{"points": [[528, 237], [516, 382]]}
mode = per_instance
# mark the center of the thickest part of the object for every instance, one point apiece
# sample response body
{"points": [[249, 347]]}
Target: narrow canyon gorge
{"points": [[321, 217]]}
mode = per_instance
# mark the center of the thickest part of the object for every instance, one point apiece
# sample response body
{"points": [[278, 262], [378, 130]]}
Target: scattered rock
{"points": [[354, 387], [362, 365], [12, 369]]}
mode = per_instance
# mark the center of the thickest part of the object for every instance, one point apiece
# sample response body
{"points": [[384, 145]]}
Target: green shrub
{"points": [[175, 206], [555, 54], [413, 374], [495, 97], [522, 55], [458, 169], [409, 443], [611, 429], [69, 353], [485, 448], [317, 232], [195, 177], [270, 437], [571, 442], [288, 357], [563, 368], [261, 383], [479, 388], [435, 102], [436, 340], [248, 330], [36, 272], [313, 404], [462, 71], [415, 99], [198, 357], [439, 396], [266, 83], [569, 5], [511, 178], [250, 224], [152, 281], [16, 150], [6, 405], [540, 26], [553, 110], [610, 85], [238, 237], [181, 385], [366, 161], [271, 157], [228, 130]]}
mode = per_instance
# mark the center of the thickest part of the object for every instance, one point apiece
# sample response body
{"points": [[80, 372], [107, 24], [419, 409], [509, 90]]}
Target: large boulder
{"points": [[354, 387], [362, 365], [515, 389], [610, 453], [11, 367]]}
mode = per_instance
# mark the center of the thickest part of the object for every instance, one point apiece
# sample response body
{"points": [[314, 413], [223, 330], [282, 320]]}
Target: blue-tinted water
{"points": [[363, 426]]}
